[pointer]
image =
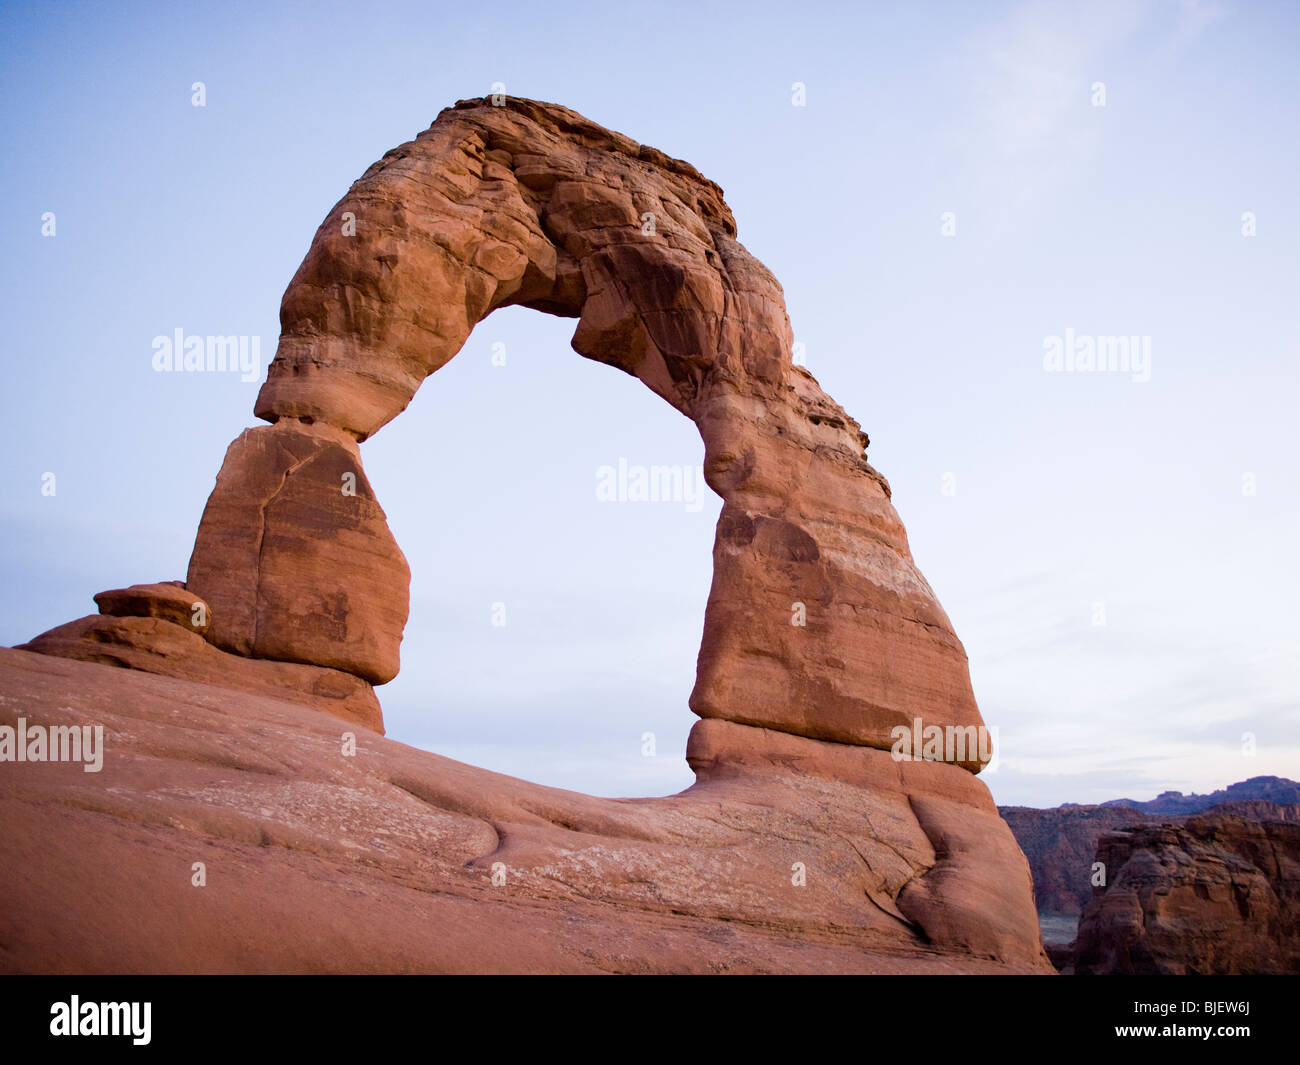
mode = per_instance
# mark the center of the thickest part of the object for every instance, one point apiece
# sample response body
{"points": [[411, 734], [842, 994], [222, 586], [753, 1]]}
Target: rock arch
{"points": [[531, 204], [297, 592]]}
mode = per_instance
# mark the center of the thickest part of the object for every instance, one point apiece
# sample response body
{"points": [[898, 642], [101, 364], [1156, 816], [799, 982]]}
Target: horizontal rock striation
{"points": [[154, 645]]}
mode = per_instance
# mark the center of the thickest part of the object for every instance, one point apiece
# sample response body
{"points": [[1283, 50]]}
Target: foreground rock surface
{"points": [[317, 861], [1219, 894]]}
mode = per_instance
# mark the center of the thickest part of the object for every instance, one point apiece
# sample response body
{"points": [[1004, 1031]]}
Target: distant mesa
{"points": [[1267, 789]]}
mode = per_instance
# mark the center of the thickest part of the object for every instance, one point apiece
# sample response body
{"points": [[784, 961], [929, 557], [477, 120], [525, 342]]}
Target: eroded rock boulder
{"points": [[155, 645], [296, 558], [169, 601]]}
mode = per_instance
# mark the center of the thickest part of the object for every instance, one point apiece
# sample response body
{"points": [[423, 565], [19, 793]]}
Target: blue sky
{"points": [[1036, 502]]}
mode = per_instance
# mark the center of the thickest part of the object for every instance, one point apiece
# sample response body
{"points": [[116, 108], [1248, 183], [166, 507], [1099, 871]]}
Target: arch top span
{"points": [[529, 204], [818, 622]]}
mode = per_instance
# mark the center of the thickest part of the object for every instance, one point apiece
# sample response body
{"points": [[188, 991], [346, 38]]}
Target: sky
{"points": [[948, 192]]}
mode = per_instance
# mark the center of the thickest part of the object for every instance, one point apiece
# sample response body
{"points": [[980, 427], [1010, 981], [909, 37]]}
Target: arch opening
{"points": [[817, 621], [553, 633]]}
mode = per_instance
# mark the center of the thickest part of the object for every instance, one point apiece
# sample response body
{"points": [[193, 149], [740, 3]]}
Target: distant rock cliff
{"points": [[1219, 894], [1061, 843]]}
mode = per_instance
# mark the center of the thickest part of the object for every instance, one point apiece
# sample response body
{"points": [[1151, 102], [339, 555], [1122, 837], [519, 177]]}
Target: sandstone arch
{"points": [[531, 204], [302, 593]]}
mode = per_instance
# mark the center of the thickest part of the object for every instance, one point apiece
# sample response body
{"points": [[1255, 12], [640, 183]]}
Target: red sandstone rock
{"points": [[296, 558], [153, 645], [1061, 843], [169, 601], [1218, 895], [976, 894], [318, 860]]}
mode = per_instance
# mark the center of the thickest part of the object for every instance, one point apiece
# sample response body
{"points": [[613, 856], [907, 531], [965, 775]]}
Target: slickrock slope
{"points": [[820, 635], [1219, 894], [382, 861]]}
